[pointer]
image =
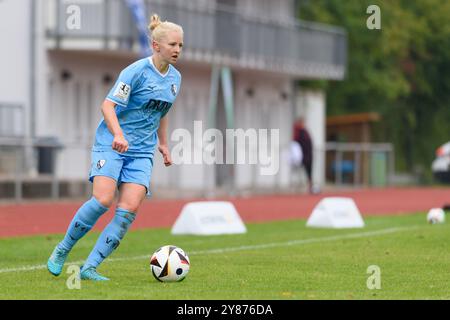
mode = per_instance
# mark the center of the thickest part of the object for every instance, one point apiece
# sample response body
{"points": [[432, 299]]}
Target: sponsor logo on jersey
{"points": [[156, 105]]}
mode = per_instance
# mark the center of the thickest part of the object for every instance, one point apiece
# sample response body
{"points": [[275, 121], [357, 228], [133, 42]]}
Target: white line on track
{"points": [[239, 248]]}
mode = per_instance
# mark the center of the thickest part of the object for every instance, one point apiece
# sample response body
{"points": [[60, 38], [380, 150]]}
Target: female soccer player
{"points": [[135, 117]]}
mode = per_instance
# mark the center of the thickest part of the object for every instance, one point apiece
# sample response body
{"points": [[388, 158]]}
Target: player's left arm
{"points": [[162, 137]]}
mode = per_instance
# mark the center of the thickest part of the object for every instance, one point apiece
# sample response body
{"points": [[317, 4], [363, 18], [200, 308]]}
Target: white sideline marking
{"points": [[240, 248]]}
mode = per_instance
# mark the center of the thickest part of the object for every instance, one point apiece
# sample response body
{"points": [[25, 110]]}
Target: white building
{"points": [[59, 58]]}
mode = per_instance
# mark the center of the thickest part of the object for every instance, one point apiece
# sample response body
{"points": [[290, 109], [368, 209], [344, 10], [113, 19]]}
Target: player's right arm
{"points": [[120, 144], [119, 95]]}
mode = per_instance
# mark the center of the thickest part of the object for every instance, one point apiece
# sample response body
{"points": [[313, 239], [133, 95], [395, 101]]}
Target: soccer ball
{"points": [[169, 264], [436, 215]]}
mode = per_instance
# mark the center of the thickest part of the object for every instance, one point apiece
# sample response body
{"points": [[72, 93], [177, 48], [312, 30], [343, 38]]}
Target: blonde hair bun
{"points": [[159, 29], [154, 22]]}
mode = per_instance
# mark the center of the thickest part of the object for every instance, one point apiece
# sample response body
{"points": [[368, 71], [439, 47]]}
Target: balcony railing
{"points": [[212, 35]]}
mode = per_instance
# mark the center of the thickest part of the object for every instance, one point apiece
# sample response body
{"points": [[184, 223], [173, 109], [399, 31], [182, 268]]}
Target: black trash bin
{"points": [[46, 154]]}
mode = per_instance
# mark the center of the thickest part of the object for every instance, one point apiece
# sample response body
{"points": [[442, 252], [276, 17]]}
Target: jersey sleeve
{"points": [[124, 86]]}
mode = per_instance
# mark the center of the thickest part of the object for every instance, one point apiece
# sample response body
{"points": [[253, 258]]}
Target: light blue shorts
{"points": [[121, 168]]}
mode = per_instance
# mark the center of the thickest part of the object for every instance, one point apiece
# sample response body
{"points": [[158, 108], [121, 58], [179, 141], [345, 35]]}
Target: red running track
{"points": [[49, 218]]}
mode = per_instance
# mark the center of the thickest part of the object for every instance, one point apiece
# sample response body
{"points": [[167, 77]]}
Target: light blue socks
{"points": [[82, 222], [110, 238]]}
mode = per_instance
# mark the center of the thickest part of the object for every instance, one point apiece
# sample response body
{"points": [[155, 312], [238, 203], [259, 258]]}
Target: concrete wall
{"points": [[15, 54], [263, 101]]}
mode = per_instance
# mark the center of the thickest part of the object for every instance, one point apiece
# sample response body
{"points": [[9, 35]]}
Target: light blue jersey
{"points": [[143, 96]]}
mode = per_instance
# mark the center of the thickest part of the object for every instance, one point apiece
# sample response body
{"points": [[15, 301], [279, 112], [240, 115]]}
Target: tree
{"points": [[401, 71]]}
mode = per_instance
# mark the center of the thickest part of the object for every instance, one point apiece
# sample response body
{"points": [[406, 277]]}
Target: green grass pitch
{"points": [[276, 260]]}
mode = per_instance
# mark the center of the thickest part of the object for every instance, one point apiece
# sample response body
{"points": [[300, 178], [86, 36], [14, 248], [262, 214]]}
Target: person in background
{"points": [[303, 138]]}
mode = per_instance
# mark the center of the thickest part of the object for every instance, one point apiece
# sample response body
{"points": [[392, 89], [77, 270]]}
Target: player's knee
{"points": [[129, 206], [105, 200]]}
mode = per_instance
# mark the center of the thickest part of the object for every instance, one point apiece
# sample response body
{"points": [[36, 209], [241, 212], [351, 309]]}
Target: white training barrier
{"points": [[336, 212], [209, 218]]}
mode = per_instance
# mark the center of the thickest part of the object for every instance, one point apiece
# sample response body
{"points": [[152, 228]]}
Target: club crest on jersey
{"points": [[100, 164], [174, 89]]}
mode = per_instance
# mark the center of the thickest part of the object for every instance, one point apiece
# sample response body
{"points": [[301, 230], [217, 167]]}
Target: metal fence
{"points": [[14, 156], [360, 163], [219, 34], [18, 151]]}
